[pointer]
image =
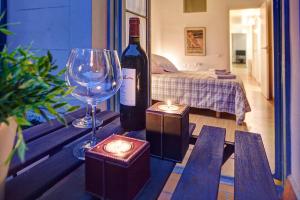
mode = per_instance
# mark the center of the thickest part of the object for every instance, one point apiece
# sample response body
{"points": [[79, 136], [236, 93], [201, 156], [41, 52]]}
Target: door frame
{"points": [[281, 77], [117, 19], [282, 88]]}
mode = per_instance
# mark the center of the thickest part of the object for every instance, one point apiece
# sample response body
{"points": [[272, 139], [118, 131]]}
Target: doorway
{"points": [[158, 10], [251, 60], [250, 48]]}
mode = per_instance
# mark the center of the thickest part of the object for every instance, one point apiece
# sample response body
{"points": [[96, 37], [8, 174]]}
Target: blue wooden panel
{"points": [[51, 24], [252, 174], [278, 88], [201, 176], [287, 67], [55, 25], [37, 4], [45, 28], [81, 24]]}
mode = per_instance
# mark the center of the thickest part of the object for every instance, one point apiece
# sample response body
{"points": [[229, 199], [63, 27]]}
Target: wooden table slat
{"points": [[73, 186], [48, 173], [201, 176], [52, 142], [75, 181], [50, 126], [142, 135], [253, 177]]}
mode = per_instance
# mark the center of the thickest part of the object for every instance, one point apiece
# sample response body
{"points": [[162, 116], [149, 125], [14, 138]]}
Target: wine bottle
{"points": [[134, 92]]}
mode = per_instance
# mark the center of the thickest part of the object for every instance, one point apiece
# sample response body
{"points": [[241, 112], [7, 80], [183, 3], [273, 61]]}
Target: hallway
{"points": [[259, 120]]}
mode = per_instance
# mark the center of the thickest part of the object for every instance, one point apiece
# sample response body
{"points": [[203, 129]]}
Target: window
{"points": [[194, 6]]}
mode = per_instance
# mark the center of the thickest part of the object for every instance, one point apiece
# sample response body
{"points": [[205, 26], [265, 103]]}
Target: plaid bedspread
{"points": [[199, 90]]}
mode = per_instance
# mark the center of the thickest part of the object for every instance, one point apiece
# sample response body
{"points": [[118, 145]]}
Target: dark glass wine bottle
{"points": [[134, 92]]}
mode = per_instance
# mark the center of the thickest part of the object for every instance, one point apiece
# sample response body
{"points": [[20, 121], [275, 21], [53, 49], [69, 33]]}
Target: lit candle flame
{"points": [[118, 147], [169, 103], [168, 106]]}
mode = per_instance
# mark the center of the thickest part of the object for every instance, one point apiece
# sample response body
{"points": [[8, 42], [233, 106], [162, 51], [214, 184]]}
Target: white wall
{"points": [[256, 71], [169, 21], [242, 21], [295, 94], [156, 27]]}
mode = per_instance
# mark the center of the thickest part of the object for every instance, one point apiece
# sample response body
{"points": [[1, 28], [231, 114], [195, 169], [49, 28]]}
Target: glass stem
{"points": [[94, 138], [88, 111]]}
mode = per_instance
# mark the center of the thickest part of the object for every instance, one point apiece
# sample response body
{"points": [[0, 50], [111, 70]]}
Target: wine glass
{"points": [[86, 121], [95, 75]]}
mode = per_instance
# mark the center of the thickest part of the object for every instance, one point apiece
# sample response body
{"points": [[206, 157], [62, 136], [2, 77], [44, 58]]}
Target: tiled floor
{"points": [[259, 120]]}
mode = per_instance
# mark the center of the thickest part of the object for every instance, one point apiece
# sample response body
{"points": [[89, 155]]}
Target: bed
{"points": [[200, 90]]}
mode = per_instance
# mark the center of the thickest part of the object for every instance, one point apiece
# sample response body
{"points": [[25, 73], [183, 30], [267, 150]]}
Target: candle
{"points": [[118, 147], [168, 107]]}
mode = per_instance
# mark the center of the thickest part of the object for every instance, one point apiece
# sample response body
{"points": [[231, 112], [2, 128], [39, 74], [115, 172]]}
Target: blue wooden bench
{"points": [[252, 178], [201, 176], [50, 170]]}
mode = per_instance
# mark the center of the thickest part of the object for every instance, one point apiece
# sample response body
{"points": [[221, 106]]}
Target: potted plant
{"points": [[27, 83]]}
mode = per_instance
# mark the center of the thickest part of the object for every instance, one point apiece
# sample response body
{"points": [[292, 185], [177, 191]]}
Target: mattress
{"points": [[200, 90]]}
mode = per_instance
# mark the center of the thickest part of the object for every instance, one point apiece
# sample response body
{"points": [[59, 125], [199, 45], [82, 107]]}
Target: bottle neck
{"points": [[134, 33], [134, 40]]}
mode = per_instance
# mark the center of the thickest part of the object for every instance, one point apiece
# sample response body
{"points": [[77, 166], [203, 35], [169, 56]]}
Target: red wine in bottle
{"points": [[134, 92]]}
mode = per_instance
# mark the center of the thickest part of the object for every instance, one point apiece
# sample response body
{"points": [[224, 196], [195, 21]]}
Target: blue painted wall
{"points": [[55, 25]]}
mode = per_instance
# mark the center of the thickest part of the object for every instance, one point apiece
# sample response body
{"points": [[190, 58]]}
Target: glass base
{"points": [[82, 147], [85, 122]]}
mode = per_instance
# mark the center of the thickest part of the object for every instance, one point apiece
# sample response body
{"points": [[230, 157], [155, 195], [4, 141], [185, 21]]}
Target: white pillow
{"points": [[160, 64], [155, 69]]}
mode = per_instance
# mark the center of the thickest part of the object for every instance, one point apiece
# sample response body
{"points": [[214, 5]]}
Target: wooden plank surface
{"points": [[50, 126], [73, 186], [201, 176], [142, 134], [34, 182], [53, 142], [253, 177], [160, 172]]}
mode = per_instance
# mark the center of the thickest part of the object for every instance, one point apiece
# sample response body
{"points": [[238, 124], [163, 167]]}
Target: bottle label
{"points": [[127, 90]]}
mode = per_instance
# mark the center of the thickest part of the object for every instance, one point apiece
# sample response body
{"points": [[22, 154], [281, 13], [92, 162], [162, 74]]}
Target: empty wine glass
{"points": [[96, 76], [86, 121]]}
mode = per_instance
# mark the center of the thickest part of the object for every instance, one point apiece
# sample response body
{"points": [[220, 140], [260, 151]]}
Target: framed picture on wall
{"points": [[195, 41]]}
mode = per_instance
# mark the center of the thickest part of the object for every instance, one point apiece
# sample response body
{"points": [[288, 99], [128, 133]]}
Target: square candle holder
{"points": [[117, 168], [167, 130]]}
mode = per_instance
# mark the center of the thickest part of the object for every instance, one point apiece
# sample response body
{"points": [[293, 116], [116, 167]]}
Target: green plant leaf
{"points": [[21, 146], [22, 121], [5, 31], [73, 108], [59, 105], [30, 83], [2, 15]]}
